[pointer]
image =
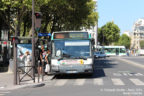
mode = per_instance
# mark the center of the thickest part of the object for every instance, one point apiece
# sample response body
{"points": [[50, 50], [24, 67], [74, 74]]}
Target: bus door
{"points": [[1, 58], [117, 51]]}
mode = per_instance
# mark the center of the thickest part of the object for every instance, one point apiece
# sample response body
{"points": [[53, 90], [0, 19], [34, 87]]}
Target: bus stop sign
{"points": [[44, 34]]}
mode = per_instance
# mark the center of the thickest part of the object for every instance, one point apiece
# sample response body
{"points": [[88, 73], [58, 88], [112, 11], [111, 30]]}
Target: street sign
{"points": [[44, 34]]}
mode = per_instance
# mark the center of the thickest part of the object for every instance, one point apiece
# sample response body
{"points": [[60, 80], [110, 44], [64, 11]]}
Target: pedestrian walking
{"points": [[41, 59]]}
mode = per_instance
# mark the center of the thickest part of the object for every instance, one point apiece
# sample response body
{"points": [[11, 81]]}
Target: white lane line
{"points": [[79, 82], [139, 74], [98, 82], [117, 81], [137, 81], [60, 82], [4, 92]]}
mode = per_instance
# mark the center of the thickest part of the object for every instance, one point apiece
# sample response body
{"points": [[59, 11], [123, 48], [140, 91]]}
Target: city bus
{"points": [[72, 53], [113, 50]]}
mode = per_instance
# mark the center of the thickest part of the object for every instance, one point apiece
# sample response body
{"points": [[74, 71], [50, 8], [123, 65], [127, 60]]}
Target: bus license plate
{"points": [[72, 61]]}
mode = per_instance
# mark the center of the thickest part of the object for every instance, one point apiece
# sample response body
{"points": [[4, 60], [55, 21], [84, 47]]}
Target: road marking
{"points": [[139, 74], [117, 81], [98, 82], [60, 82], [4, 92], [137, 81], [120, 73], [79, 82]]}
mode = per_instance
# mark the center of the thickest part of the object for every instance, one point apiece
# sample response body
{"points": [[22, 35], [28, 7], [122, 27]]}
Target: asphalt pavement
{"points": [[137, 59], [113, 76]]}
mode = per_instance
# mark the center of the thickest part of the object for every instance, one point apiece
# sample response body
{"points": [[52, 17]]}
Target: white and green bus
{"points": [[72, 53], [113, 50]]}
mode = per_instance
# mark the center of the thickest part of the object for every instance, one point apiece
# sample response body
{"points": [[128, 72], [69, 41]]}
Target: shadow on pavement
{"points": [[104, 63]]}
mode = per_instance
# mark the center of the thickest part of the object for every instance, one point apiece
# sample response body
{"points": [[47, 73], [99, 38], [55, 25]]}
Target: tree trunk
{"points": [[53, 25], [45, 27], [30, 32], [24, 33], [19, 23]]}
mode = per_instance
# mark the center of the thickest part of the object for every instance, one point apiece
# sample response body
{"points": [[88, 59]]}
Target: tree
{"points": [[142, 44], [57, 15], [100, 37], [15, 10], [109, 33], [124, 40], [68, 14]]}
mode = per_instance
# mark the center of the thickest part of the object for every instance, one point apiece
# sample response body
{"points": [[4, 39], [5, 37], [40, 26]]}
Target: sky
{"points": [[124, 13]]}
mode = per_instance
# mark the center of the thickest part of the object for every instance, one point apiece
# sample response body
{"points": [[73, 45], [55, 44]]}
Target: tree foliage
{"points": [[57, 14], [68, 14], [13, 13], [142, 44], [108, 34], [124, 40]]}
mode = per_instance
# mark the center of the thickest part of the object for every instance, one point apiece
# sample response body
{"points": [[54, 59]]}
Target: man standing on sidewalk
{"points": [[42, 59]]}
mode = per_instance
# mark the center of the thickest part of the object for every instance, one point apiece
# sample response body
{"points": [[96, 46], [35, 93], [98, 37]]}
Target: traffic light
{"points": [[38, 17], [15, 40]]}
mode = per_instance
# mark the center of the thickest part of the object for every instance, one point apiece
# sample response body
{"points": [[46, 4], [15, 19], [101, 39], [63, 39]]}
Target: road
{"points": [[138, 59], [112, 77]]}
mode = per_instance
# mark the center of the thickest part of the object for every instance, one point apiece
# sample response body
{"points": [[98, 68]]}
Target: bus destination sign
{"points": [[71, 35]]}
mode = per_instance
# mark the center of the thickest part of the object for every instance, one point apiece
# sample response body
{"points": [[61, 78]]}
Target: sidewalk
{"points": [[6, 82]]}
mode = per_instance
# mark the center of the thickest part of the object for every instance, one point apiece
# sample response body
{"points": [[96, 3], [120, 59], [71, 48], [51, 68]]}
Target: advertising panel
{"points": [[24, 55]]}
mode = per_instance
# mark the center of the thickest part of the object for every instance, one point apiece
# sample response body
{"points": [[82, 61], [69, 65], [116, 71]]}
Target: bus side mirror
{"points": [[58, 53]]}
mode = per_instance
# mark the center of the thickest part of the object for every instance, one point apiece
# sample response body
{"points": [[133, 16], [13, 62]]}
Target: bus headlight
{"points": [[88, 61], [88, 66]]}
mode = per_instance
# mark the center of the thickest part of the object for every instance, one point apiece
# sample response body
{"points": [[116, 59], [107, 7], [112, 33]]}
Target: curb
{"points": [[33, 85], [25, 86]]}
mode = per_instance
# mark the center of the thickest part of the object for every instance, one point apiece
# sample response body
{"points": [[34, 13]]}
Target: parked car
{"points": [[99, 54]]}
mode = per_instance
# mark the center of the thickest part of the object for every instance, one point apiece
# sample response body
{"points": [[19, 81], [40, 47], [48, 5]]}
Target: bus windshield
{"points": [[71, 48]]}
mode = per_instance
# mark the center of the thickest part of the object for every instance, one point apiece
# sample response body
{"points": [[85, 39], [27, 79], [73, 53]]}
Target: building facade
{"points": [[93, 30], [137, 34]]}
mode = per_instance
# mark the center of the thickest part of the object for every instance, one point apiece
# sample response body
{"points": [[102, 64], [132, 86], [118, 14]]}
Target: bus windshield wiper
{"points": [[67, 55], [61, 58]]}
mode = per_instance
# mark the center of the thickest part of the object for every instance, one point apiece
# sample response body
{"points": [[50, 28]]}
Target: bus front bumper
{"points": [[72, 69]]}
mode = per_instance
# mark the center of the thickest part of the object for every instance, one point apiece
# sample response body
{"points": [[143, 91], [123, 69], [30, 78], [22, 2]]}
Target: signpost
{"points": [[33, 43]]}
